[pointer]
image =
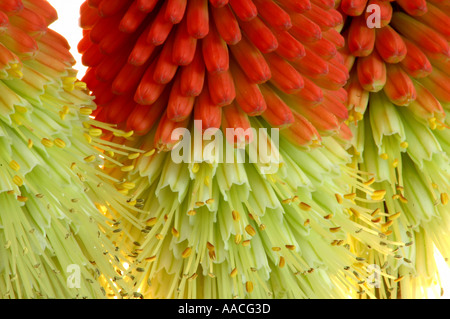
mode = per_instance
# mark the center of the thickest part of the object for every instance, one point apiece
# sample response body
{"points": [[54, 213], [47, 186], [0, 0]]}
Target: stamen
{"points": [[14, 165], [304, 206], [47, 143], [335, 229], [444, 198], [18, 181]]}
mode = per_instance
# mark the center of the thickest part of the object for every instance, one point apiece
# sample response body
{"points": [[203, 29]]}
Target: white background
{"points": [[67, 25]]}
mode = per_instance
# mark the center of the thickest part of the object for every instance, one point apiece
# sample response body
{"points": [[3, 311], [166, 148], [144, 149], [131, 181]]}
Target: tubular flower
{"points": [[279, 228], [184, 60], [54, 242], [262, 225], [398, 101]]}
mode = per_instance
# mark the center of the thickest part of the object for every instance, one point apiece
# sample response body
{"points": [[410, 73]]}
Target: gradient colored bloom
{"points": [[223, 230], [190, 59], [49, 178], [232, 230], [401, 132]]}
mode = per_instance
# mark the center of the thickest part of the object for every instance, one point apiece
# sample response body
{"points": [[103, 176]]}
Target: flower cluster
{"points": [[164, 63], [53, 238], [222, 230], [398, 100]]}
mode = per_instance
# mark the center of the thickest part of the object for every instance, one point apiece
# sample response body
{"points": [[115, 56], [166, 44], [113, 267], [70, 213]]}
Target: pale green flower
{"points": [[53, 238]]}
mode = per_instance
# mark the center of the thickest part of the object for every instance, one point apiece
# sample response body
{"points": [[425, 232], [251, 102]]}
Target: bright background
{"points": [[67, 25]]}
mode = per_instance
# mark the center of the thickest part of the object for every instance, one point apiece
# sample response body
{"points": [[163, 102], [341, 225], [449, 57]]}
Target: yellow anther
{"points": [[237, 239], [335, 229], [387, 233], [150, 259], [306, 223], [18, 181], [187, 252], [88, 138], [233, 273], [236, 215], [95, 132], [355, 212], [370, 181], [14, 165], [329, 216], [133, 156], [192, 213], [384, 156], [387, 224], [30, 143], [276, 248], [210, 201], [304, 206], [350, 196], [90, 159], [403, 199], [282, 262], [394, 216], [60, 143], [22, 199], [378, 194], [127, 168], [395, 163], [175, 232], [128, 134], [129, 185], [85, 111], [65, 110], [444, 198], [47, 143], [404, 144], [250, 230], [151, 222], [150, 153], [339, 198], [432, 123], [159, 236], [376, 220], [249, 286]]}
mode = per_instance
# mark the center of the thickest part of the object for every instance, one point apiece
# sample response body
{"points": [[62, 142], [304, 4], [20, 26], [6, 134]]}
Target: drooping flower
{"points": [[398, 102], [54, 241], [190, 59], [282, 228]]}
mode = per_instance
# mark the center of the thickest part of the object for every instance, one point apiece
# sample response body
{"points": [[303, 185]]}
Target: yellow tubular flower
{"points": [[54, 241]]}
